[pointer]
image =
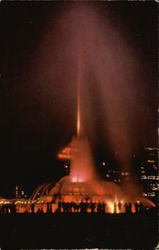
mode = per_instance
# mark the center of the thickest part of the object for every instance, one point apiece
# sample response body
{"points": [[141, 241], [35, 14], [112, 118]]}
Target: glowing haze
{"points": [[92, 56]]}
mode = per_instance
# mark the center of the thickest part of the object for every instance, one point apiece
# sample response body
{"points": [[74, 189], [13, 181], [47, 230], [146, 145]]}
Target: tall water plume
{"points": [[111, 86]]}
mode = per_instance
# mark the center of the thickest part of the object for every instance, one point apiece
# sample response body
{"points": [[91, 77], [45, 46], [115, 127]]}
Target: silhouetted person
{"points": [[72, 206], [99, 207], [85, 207], [130, 207], [82, 206], [13, 209], [32, 207], [141, 207], [69, 207], [64, 207], [126, 208], [95, 206], [92, 207], [136, 207], [59, 206], [2, 209], [75, 207], [119, 206], [115, 207], [48, 208], [103, 207]]}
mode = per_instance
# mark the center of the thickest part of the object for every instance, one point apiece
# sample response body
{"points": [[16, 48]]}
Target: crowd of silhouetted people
{"points": [[92, 207], [139, 208], [82, 207], [101, 208], [8, 209]]}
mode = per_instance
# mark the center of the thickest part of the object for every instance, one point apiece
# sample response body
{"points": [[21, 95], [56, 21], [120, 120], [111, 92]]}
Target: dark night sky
{"points": [[35, 124]]}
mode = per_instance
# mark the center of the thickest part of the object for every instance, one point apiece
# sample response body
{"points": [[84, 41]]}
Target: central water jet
{"points": [[78, 96]]}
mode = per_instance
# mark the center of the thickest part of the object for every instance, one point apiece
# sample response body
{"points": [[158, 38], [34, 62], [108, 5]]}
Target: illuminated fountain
{"points": [[83, 185]]}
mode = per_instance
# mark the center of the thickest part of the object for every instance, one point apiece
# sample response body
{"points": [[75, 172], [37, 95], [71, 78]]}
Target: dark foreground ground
{"points": [[78, 231]]}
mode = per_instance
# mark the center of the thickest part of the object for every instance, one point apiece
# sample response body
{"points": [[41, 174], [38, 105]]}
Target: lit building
{"points": [[113, 173], [148, 173], [19, 192]]}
